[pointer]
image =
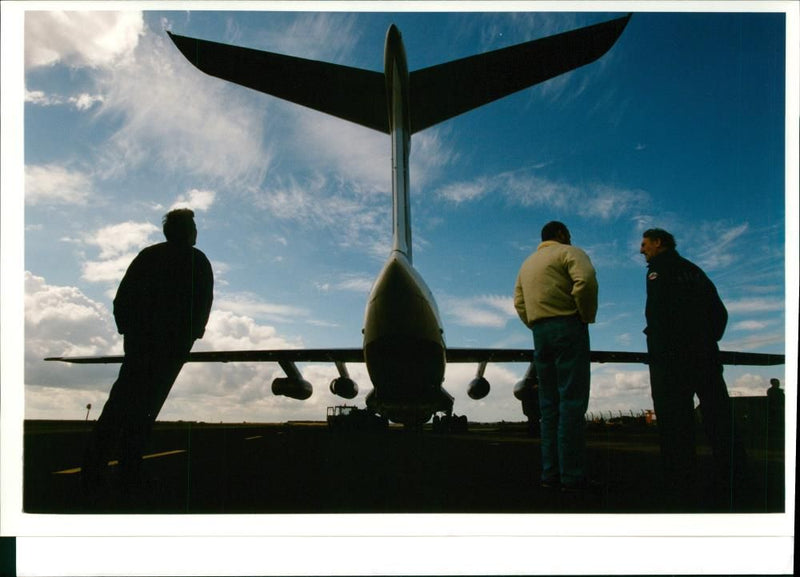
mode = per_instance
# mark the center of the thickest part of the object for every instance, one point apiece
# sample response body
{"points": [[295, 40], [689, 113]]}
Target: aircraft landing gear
{"points": [[450, 423]]}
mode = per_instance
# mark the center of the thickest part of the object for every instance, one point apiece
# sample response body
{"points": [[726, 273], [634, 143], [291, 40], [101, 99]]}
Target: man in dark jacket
{"points": [[162, 305], [685, 321]]}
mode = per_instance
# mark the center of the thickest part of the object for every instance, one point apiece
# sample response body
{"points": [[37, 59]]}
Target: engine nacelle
{"points": [[293, 388], [372, 401], [478, 388], [344, 387], [528, 388], [523, 389]]}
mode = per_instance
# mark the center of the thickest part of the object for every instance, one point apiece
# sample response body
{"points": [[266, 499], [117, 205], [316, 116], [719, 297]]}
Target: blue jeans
{"points": [[561, 355]]}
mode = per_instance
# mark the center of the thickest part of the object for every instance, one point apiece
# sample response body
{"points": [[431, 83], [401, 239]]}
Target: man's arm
{"points": [[204, 292], [584, 287], [519, 302], [126, 299]]}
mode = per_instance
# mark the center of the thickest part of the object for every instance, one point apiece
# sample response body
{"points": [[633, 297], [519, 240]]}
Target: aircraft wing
{"points": [[355, 355], [447, 90], [454, 355], [526, 356], [349, 93]]}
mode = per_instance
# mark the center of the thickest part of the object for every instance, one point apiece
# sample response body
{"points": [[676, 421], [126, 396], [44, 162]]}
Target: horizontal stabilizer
{"points": [[349, 93], [447, 90]]}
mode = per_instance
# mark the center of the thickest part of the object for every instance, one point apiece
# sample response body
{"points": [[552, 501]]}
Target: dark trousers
{"points": [[146, 376], [562, 359], [673, 385]]}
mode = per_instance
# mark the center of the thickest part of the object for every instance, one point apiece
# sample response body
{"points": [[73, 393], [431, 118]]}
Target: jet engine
{"points": [[478, 387], [527, 391], [528, 387], [299, 389], [293, 385], [343, 386]]}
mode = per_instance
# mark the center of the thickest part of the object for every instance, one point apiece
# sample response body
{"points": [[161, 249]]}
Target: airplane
{"points": [[403, 340]]}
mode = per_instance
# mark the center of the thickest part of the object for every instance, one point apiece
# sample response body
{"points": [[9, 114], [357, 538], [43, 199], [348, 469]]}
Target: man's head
{"points": [[655, 241], [557, 231], [179, 227]]}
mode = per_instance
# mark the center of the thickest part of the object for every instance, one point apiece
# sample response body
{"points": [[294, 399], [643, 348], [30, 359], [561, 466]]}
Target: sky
{"points": [[106, 127], [681, 125]]}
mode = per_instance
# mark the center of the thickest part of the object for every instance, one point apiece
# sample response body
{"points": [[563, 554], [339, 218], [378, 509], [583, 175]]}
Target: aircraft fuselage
{"points": [[404, 347]]}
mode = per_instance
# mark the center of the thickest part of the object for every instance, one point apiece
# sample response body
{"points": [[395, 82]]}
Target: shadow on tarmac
{"points": [[305, 468]]}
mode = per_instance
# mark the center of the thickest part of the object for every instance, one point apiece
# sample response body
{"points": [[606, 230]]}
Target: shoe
{"points": [[583, 486], [550, 484]]}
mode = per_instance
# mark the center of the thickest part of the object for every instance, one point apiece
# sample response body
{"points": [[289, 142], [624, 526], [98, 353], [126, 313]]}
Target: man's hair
{"points": [[552, 229], [178, 225], [667, 240]]}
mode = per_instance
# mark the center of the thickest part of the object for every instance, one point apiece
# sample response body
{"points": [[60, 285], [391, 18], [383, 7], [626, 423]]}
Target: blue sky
{"points": [[681, 125]]}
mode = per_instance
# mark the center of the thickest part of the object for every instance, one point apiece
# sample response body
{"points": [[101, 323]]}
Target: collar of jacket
{"points": [[662, 257], [546, 243]]}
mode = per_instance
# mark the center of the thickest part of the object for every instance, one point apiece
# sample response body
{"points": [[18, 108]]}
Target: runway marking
{"points": [[253, 438], [115, 463]]}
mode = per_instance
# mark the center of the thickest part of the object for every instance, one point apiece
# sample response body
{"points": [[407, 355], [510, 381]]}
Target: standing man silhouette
{"points": [[162, 305], [556, 296], [685, 320]]}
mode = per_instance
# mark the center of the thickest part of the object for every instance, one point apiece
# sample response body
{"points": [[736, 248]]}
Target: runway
{"points": [[195, 468]]}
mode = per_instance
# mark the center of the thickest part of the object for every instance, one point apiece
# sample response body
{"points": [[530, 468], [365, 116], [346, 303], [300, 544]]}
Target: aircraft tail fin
{"points": [[349, 93], [447, 90]]}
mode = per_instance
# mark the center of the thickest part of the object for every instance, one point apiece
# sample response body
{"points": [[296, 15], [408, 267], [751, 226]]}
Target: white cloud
{"points": [[482, 311], [520, 188], [359, 156], [179, 119], [118, 239], [85, 101], [334, 209], [62, 321], [754, 342], [432, 153], [119, 244], [81, 102], [330, 37], [749, 325], [40, 98], [619, 389], [347, 282], [608, 202], [200, 200], [749, 385], [81, 39], [755, 305], [56, 184], [720, 240], [463, 191], [227, 330], [252, 306], [110, 270]]}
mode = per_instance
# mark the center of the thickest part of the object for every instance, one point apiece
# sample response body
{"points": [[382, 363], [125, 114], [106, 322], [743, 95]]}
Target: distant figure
{"points": [[556, 297], [776, 415], [161, 307], [685, 320], [775, 392]]}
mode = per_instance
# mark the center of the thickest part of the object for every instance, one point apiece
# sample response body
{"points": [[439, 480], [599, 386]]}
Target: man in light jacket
{"points": [[556, 297]]}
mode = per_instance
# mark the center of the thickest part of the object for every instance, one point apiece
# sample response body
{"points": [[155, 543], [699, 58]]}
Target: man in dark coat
{"points": [[162, 305], [685, 320]]}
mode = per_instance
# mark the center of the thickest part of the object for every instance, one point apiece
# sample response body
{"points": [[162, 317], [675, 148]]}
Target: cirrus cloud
{"points": [[81, 39]]}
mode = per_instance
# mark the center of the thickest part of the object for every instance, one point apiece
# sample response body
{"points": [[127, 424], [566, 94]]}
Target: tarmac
{"points": [[303, 467]]}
